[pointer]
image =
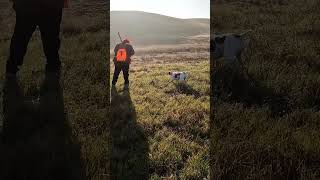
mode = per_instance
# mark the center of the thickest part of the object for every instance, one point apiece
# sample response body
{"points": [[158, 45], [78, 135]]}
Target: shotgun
{"points": [[120, 36]]}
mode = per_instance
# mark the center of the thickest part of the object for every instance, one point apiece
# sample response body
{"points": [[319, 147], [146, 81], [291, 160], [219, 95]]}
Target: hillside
{"points": [[148, 28]]}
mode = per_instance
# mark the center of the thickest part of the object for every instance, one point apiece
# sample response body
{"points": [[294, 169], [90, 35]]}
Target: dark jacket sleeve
{"points": [[116, 49], [115, 53], [130, 50]]}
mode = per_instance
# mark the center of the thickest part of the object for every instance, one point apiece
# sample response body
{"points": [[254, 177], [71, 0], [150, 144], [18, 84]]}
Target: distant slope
{"points": [[148, 28]]}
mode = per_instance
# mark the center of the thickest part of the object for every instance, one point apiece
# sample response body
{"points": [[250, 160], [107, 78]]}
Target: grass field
{"points": [[267, 127], [62, 133], [160, 129]]}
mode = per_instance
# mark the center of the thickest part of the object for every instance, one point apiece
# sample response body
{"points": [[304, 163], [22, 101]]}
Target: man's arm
{"points": [[116, 49], [115, 53], [131, 50]]}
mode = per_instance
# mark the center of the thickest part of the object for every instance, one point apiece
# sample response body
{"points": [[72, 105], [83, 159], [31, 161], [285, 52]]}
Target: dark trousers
{"points": [[118, 67], [26, 24]]}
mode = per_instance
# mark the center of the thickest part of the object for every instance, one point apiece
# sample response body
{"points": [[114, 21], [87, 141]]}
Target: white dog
{"points": [[230, 47], [179, 76]]}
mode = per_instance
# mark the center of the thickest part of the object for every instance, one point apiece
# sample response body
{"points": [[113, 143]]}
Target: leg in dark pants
{"points": [[50, 29], [26, 23], [24, 28], [117, 70], [125, 70]]}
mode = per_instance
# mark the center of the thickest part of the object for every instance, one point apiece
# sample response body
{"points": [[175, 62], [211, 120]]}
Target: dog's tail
{"points": [[245, 33], [245, 38]]}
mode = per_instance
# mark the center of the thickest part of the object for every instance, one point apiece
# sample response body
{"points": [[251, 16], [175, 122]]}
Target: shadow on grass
{"points": [[129, 144], [37, 140], [184, 88], [233, 86]]}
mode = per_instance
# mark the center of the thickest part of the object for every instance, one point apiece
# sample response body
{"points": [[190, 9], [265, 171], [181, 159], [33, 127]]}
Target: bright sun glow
{"points": [[174, 8]]}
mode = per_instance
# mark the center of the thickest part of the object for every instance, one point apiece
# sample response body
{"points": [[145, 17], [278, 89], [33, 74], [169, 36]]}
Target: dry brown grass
{"points": [[169, 122], [268, 126], [85, 97]]}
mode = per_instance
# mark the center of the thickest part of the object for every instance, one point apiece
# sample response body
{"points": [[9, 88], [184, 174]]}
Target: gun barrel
{"points": [[119, 36]]}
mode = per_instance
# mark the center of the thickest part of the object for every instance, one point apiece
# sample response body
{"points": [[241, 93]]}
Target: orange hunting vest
{"points": [[122, 54]]}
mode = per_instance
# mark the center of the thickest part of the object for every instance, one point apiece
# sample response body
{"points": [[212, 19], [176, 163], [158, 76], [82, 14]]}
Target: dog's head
{"points": [[228, 45], [217, 46]]}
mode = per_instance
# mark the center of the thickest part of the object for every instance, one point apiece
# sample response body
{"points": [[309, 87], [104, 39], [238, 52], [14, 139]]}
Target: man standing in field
{"points": [[47, 15], [122, 60]]}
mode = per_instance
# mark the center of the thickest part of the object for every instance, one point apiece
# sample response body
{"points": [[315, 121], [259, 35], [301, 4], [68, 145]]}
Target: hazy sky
{"points": [[174, 8]]}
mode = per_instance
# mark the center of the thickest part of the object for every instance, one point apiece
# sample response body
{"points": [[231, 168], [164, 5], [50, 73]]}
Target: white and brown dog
{"points": [[178, 76], [229, 47]]}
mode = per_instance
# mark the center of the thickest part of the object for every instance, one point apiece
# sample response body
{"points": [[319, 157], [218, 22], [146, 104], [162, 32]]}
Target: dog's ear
{"points": [[220, 40]]}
